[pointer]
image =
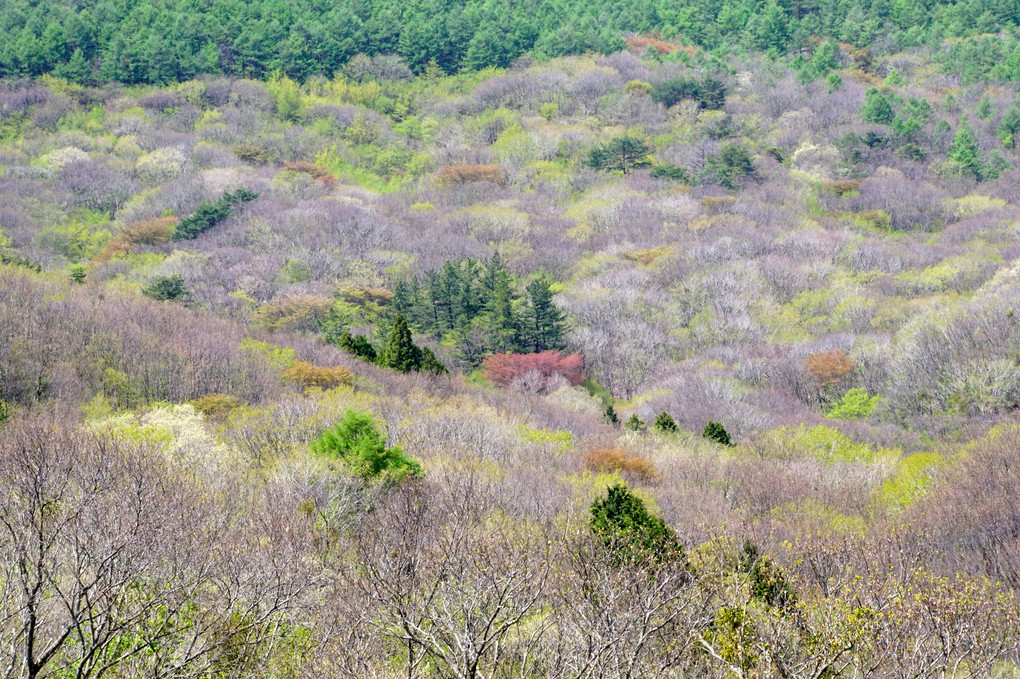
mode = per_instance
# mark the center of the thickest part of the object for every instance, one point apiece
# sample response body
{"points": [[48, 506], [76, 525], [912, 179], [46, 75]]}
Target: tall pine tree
{"points": [[401, 353], [543, 322]]}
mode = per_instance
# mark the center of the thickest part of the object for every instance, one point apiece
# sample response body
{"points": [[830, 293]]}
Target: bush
{"points": [[308, 375], [216, 406], [250, 153], [312, 170], [166, 288], [454, 175], [714, 431], [668, 171], [768, 584], [358, 444], [614, 460], [635, 423]]}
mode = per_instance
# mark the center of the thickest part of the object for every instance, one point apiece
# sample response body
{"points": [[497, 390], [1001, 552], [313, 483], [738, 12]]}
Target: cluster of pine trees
{"points": [[145, 41], [474, 308], [471, 307]]}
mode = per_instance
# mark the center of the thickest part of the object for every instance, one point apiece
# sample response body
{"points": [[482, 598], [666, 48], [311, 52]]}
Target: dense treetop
{"points": [[172, 40]]}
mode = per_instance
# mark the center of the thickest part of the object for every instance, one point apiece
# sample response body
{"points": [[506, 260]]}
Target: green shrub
{"points": [[624, 524], [356, 442], [714, 431], [665, 423], [166, 288], [208, 215], [854, 405], [635, 423]]}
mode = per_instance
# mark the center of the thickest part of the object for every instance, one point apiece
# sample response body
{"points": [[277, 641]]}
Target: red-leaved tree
{"points": [[504, 369]]}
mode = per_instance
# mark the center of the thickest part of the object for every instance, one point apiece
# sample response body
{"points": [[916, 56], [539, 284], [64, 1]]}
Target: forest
{"points": [[500, 340]]}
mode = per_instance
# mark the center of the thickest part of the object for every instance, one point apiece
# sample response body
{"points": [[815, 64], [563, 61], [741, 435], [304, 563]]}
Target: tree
{"points": [[401, 353], [357, 345], [732, 163], [610, 414], [665, 423], [964, 151], [635, 423], [877, 108], [625, 153], [1009, 126], [544, 325], [208, 215], [622, 521], [715, 431], [166, 288], [356, 441]]}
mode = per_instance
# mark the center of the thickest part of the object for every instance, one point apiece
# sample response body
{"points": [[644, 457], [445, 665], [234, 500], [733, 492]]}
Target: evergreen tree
{"points": [[635, 423], [714, 431], [877, 108], [610, 414], [624, 524], [357, 345], [625, 153], [1009, 126], [965, 152], [665, 423], [543, 321], [401, 353], [500, 324]]}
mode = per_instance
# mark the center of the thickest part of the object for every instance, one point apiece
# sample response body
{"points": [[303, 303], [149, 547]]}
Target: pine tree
{"points": [[611, 416], [714, 431], [665, 423], [624, 524], [635, 423], [357, 345], [401, 353], [877, 108], [500, 324], [965, 151], [544, 322]]}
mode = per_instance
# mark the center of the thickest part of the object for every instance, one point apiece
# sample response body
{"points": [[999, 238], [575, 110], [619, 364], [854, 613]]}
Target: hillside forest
{"points": [[568, 340]]}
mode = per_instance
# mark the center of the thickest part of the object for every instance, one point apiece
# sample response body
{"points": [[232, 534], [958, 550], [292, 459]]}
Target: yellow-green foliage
{"points": [[180, 431], [81, 237], [281, 357], [974, 204], [854, 405], [497, 223], [216, 405], [287, 95], [911, 479], [559, 440], [819, 442], [291, 312], [816, 516]]}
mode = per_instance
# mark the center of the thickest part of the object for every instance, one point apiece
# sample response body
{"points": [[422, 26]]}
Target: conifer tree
{"points": [[665, 423], [714, 431], [543, 321], [401, 353], [965, 151]]}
